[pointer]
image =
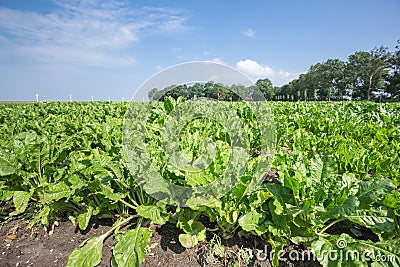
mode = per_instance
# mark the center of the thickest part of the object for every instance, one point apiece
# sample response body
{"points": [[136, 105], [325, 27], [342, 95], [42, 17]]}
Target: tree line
{"points": [[214, 90], [373, 75]]}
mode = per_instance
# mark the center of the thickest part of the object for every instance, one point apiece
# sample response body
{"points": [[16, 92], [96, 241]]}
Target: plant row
{"points": [[329, 172]]}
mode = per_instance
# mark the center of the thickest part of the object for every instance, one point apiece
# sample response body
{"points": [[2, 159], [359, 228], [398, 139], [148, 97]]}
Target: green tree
{"points": [[239, 92], [333, 76], [254, 93], [266, 88], [393, 85], [223, 92], [197, 90], [315, 78], [153, 94], [210, 90], [368, 71], [326, 79], [284, 92]]}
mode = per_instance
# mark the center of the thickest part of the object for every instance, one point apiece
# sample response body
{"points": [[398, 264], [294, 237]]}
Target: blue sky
{"points": [[107, 49]]}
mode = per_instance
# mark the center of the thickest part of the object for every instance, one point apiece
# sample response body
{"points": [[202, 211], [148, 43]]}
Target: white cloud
{"points": [[259, 71], [218, 60], [249, 33], [252, 68], [165, 19], [88, 33]]}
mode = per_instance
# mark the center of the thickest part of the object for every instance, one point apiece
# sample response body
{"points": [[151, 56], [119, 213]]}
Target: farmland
{"points": [[330, 175]]}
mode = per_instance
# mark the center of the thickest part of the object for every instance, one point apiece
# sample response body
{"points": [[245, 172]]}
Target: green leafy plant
{"points": [[337, 175]]}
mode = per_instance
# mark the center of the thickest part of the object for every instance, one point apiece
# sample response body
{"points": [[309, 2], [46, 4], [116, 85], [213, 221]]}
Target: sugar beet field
{"points": [[324, 193]]}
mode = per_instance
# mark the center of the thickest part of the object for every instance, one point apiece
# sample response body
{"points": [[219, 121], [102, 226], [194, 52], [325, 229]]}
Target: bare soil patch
{"points": [[23, 246]]}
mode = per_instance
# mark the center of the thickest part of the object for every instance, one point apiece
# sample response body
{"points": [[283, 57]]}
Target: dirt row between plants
{"points": [[23, 246]]}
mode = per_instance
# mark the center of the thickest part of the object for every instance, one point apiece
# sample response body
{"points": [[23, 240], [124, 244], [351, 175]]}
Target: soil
{"points": [[23, 246]]}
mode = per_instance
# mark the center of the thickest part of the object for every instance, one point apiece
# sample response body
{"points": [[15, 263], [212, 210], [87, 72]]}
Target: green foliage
{"points": [[351, 252], [337, 165], [128, 251], [89, 254], [195, 232], [366, 75], [156, 213], [130, 247]]}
